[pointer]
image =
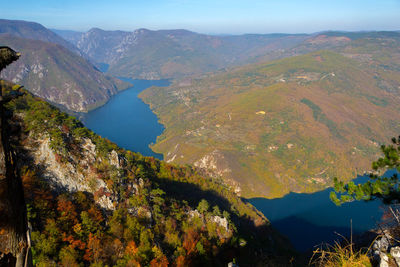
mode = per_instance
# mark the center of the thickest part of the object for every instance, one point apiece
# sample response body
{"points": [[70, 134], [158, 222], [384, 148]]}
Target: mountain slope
{"points": [[174, 53], [59, 75], [34, 31], [71, 36], [102, 46], [361, 45], [91, 202], [286, 125]]}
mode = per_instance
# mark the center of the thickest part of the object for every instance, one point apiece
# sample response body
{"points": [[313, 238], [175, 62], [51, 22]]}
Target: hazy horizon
{"points": [[227, 34], [207, 33], [210, 17]]}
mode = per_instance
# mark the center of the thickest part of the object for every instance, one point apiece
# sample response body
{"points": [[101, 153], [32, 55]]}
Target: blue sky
{"points": [[209, 16]]}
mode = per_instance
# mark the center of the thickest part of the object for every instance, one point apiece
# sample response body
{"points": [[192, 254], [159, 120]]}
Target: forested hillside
{"points": [[92, 202]]}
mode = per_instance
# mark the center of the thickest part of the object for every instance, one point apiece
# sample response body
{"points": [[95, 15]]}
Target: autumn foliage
{"points": [[153, 220]]}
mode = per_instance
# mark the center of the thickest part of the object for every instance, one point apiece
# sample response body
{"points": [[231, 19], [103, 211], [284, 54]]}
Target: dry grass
{"points": [[346, 256], [340, 255]]}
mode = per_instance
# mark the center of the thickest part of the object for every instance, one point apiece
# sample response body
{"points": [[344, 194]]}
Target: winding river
{"points": [[126, 120]]}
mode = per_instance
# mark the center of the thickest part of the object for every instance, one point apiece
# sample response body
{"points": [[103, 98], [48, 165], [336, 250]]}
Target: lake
{"points": [[312, 219], [126, 120], [306, 219]]}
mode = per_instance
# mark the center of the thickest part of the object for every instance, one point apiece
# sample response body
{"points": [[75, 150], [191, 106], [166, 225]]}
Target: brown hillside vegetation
{"points": [[286, 125]]}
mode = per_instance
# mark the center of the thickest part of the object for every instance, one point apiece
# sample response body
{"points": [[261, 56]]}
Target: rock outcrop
{"points": [[385, 251], [73, 175]]}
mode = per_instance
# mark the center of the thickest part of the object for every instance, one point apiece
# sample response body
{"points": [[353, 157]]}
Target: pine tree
{"points": [[378, 186]]}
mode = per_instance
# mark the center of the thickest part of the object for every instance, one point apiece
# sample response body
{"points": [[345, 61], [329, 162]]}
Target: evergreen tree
{"points": [[203, 206], [378, 186]]}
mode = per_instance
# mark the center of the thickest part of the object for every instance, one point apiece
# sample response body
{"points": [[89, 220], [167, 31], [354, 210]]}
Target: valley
{"points": [[194, 149], [164, 54]]}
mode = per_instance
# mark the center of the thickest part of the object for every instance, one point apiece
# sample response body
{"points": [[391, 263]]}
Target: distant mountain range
{"points": [[146, 54], [160, 54], [291, 124], [142, 54], [52, 68]]}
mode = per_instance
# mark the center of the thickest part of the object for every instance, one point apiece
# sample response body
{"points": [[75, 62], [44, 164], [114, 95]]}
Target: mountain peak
{"points": [[34, 31], [95, 29]]}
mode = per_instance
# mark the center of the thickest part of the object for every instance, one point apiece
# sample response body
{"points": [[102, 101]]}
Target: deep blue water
{"points": [[126, 120], [312, 219]]}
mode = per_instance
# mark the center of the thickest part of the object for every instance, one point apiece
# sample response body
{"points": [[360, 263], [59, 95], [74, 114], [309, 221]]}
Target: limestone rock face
{"points": [[385, 251], [74, 175], [384, 260], [395, 253], [381, 244], [214, 161], [115, 159], [221, 221]]}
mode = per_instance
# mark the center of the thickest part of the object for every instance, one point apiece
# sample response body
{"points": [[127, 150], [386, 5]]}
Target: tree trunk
{"points": [[14, 245]]}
